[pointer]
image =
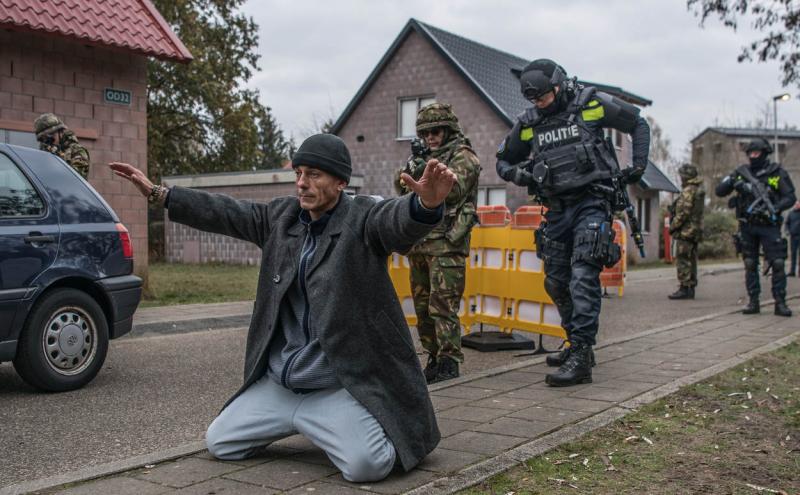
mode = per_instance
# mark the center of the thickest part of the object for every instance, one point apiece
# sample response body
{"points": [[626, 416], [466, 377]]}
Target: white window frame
{"points": [[484, 193], [5, 137], [421, 101]]}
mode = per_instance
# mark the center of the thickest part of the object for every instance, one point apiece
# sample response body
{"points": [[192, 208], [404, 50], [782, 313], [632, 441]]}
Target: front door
{"points": [[29, 235]]}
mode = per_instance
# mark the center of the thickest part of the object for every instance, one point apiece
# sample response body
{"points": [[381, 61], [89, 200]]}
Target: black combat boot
{"points": [[576, 369], [431, 369], [557, 359], [781, 309], [683, 292], [752, 307], [447, 369]]}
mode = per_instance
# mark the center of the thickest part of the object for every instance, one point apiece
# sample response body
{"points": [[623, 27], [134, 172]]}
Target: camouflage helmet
{"points": [[46, 124], [687, 171], [437, 115]]}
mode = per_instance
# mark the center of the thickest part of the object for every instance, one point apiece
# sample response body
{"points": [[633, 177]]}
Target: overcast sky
{"points": [[316, 54]]}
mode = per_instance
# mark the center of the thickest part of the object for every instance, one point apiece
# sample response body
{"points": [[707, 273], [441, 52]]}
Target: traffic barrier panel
{"points": [[504, 284], [615, 276]]}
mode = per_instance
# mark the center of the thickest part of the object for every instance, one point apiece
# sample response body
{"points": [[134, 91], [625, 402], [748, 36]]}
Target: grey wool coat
{"points": [[363, 330]]}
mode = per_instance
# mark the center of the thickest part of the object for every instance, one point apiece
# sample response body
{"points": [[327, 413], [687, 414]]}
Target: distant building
{"points": [[426, 64], [86, 61], [718, 150]]}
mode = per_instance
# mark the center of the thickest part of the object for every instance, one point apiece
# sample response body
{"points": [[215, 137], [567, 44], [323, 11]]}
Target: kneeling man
{"points": [[329, 354]]}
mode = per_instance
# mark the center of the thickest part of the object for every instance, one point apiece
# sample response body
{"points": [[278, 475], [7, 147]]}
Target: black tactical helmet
{"points": [[539, 77], [759, 144], [687, 171]]}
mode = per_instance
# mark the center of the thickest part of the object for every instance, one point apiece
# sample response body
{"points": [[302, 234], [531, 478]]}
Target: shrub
{"points": [[718, 229]]}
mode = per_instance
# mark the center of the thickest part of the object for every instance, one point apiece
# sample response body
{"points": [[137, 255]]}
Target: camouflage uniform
{"points": [[686, 227], [438, 262], [68, 148]]}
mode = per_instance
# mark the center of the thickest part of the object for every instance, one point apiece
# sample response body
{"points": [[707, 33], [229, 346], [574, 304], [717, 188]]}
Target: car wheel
{"points": [[64, 342]]}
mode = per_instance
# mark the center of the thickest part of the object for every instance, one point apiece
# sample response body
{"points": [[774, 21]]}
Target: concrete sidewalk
{"points": [[490, 421]]}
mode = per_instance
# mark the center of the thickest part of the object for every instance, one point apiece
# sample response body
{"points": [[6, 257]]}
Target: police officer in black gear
{"points": [[557, 150], [760, 220]]}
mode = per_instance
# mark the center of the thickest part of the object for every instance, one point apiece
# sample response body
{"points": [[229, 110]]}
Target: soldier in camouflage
{"points": [[438, 262], [54, 137], [686, 227]]}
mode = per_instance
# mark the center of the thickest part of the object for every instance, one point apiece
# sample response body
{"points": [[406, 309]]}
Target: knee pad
{"points": [[778, 265], [750, 264], [558, 292]]}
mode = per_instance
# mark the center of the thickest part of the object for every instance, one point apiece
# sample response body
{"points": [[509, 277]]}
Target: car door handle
{"points": [[37, 238]]}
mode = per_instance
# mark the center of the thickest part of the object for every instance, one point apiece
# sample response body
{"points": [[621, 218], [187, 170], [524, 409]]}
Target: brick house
{"points": [[86, 61], [426, 64], [716, 151]]}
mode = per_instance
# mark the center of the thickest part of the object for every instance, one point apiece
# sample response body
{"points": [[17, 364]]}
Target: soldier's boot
{"points": [[752, 307], [781, 309], [576, 369], [556, 360], [683, 292], [431, 369], [448, 369]]}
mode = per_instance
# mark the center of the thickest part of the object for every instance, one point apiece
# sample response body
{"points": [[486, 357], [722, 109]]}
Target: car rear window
{"points": [[75, 200], [18, 198]]}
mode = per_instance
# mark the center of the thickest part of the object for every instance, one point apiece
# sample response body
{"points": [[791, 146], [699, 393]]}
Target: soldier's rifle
{"points": [[761, 193]]}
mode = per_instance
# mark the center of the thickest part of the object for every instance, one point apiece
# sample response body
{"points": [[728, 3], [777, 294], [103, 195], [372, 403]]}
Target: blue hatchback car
{"points": [[66, 272]]}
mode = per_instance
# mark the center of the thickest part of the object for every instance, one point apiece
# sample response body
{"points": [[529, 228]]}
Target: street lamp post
{"points": [[775, 99]]}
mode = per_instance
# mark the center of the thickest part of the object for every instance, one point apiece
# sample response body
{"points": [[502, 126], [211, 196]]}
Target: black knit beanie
{"points": [[325, 152]]}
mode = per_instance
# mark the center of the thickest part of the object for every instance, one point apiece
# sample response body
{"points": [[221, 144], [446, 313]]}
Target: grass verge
{"points": [[737, 433], [178, 283]]}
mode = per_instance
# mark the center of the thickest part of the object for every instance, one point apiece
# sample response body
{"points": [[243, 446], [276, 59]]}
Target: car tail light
{"points": [[125, 239]]}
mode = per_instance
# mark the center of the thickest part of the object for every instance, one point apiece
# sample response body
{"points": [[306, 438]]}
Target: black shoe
{"points": [[683, 293], [431, 369], [752, 307], [556, 360], [576, 369], [447, 370], [781, 309]]}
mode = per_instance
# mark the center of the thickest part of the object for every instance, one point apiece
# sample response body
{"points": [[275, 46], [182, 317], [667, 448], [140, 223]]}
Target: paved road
{"points": [[157, 392]]}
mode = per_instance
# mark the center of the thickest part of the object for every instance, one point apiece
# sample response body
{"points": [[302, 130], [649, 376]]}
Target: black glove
{"points": [[632, 175], [743, 187], [514, 174]]}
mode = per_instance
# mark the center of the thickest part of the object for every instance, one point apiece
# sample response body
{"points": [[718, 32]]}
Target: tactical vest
{"points": [[567, 154], [770, 176]]}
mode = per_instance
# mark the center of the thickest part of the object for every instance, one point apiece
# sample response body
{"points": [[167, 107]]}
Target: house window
{"points": [[643, 213], [407, 115], [27, 139], [491, 196]]}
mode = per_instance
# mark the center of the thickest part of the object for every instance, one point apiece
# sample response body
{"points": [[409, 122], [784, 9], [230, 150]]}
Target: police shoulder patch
{"points": [[774, 181], [502, 148], [526, 133]]}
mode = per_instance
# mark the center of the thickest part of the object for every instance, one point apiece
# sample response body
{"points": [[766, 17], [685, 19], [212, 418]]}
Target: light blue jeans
{"points": [[331, 418]]}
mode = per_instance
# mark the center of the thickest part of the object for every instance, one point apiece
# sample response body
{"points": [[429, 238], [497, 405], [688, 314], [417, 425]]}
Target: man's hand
{"points": [[134, 175], [435, 184]]}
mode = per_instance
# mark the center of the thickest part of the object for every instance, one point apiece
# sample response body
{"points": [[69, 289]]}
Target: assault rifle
{"points": [[761, 193], [620, 201]]}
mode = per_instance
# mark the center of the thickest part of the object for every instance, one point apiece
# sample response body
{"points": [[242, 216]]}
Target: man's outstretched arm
{"points": [[215, 213]]}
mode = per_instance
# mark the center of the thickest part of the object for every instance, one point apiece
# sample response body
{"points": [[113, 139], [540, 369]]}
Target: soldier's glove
{"points": [[632, 175], [743, 187]]}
